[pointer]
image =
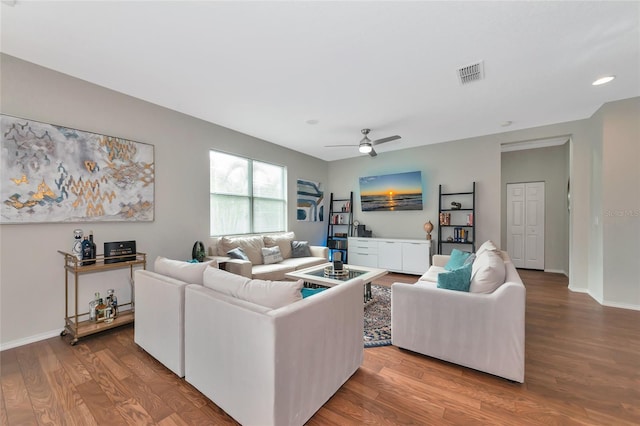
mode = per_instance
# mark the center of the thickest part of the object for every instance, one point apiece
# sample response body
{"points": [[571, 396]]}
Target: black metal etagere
{"points": [[340, 225], [456, 225]]}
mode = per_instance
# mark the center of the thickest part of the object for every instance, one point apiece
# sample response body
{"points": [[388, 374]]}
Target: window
{"points": [[247, 196]]}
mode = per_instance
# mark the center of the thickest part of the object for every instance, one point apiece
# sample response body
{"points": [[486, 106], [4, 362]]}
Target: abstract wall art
{"points": [[57, 174], [310, 204]]}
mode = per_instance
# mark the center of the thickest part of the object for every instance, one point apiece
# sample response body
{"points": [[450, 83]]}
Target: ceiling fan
{"points": [[366, 145]]}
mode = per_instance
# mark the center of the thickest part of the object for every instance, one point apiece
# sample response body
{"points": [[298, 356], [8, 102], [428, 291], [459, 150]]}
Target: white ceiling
{"points": [[266, 68]]}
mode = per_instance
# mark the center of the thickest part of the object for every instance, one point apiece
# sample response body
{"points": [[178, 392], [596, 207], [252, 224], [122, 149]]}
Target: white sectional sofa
{"points": [[159, 304], [255, 348], [483, 329], [256, 265], [272, 366]]}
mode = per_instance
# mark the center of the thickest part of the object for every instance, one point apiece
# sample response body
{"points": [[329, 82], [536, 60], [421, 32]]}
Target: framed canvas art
{"points": [[399, 191], [310, 201], [56, 174]]}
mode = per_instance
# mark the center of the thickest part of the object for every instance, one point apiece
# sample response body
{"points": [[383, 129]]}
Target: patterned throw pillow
{"points": [[300, 249], [271, 255], [237, 253]]}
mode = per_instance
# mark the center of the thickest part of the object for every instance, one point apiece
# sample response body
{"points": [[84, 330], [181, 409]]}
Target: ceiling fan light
{"points": [[365, 148]]}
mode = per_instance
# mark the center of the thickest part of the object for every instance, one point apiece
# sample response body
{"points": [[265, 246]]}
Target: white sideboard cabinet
{"points": [[397, 255]]}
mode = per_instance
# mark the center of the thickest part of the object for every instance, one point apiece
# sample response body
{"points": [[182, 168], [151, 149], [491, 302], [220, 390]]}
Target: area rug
{"points": [[377, 318]]}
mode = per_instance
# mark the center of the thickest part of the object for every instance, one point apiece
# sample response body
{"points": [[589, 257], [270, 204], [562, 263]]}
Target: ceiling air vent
{"points": [[471, 73]]}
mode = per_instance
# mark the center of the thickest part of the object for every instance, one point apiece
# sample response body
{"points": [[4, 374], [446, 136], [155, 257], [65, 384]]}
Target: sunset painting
{"points": [[400, 191]]}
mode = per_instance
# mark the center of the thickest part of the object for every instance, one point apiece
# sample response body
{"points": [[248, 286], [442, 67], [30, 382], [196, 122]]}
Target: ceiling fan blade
{"points": [[373, 152], [337, 146], [383, 140]]}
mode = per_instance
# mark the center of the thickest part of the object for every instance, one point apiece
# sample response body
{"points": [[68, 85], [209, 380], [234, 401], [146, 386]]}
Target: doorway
{"points": [[526, 224]]}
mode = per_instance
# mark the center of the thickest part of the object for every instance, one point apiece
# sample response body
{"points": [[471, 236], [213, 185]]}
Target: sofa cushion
{"points": [[237, 253], [272, 294], [457, 259], [432, 274], [281, 240], [271, 255], [303, 262], [488, 272], [457, 279], [275, 271], [184, 271], [251, 245]]}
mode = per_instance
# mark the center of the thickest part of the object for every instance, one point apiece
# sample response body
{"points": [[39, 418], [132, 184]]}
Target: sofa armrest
{"points": [[480, 331], [239, 267], [159, 322], [319, 251], [440, 259]]}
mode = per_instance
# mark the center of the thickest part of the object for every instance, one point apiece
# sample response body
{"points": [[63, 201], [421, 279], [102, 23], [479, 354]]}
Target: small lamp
{"points": [[428, 227]]}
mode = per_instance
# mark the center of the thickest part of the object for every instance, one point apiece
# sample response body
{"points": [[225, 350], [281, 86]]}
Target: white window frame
{"points": [[250, 196]]}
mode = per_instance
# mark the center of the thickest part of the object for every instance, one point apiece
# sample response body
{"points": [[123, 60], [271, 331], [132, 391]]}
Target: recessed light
{"points": [[506, 123], [312, 121], [603, 80]]}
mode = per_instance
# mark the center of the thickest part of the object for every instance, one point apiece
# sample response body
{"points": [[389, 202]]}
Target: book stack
{"points": [[460, 235], [445, 218]]}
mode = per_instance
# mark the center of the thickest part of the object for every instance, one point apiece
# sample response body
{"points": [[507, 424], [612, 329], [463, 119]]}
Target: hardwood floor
{"points": [[582, 367]]}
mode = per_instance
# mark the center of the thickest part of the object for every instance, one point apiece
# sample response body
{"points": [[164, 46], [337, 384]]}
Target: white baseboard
{"points": [[622, 305], [30, 339], [557, 271], [605, 302]]}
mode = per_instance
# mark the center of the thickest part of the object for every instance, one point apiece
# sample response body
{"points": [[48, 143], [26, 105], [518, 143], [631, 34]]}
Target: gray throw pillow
{"points": [[300, 249], [237, 253]]}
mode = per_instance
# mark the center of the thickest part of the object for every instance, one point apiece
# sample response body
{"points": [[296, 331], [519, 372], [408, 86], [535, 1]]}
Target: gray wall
{"points": [[455, 165], [621, 202], [31, 273], [549, 165]]}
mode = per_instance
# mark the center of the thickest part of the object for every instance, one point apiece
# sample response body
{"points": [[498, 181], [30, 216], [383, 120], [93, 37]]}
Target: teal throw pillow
{"points": [[458, 279], [457, 259], [306, 292]]}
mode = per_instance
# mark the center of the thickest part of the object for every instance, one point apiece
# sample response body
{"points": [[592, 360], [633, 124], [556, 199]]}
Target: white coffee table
{"points": [[317, 276]]}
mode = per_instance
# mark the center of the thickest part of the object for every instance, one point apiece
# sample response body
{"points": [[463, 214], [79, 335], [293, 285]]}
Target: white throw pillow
{"points": [[184, 271], [488, 273], [272, 294], [487, 246], [281, 240], [271, 255]]}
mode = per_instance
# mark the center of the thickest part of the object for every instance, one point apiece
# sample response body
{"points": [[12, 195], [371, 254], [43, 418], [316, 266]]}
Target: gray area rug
{"points": [[377, 318]]}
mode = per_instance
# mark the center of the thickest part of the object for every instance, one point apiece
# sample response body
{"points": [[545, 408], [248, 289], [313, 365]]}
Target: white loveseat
{"points": [[255, 266], [483, 331]]}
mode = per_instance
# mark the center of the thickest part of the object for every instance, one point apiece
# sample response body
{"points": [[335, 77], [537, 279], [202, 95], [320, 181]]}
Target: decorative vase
{"points": [[428, 227]]}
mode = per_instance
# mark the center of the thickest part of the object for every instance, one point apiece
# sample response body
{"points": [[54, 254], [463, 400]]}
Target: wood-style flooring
{"points": [[582, 368]]}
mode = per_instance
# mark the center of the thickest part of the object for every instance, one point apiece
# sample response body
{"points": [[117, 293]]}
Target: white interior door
{"points": [[534, 228], [525, 224], [515, 223]]}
